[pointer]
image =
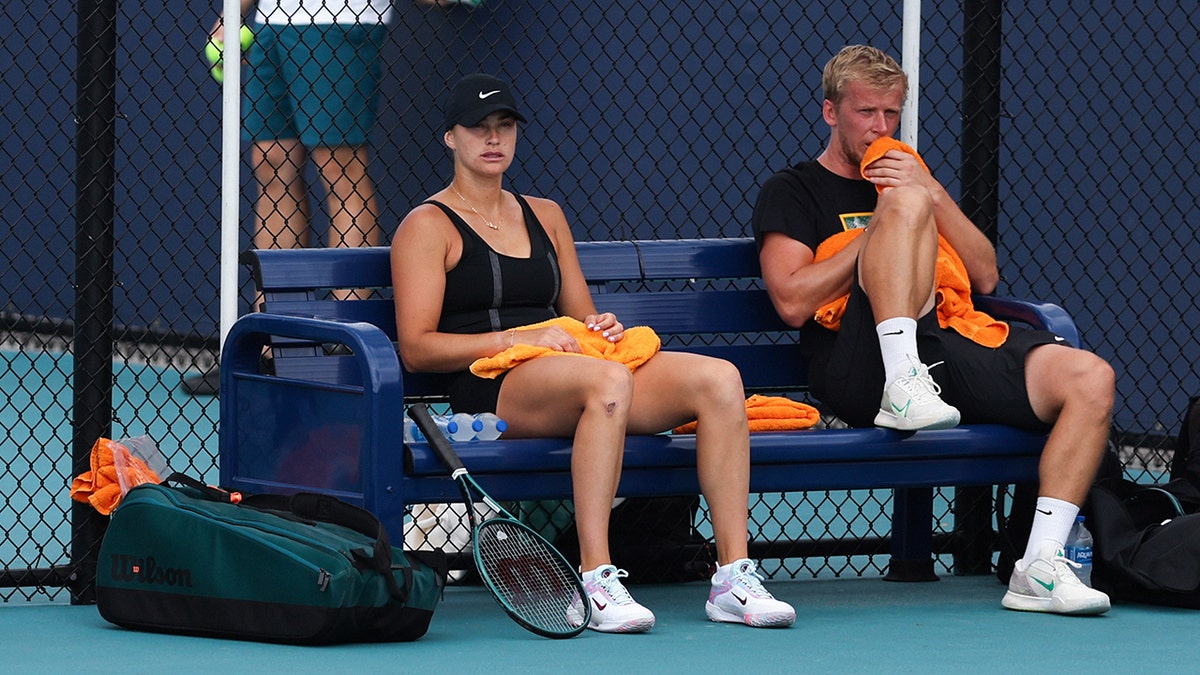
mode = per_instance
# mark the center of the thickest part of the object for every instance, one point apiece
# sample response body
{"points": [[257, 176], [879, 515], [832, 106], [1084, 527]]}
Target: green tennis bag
{"points": [[301, 569]]}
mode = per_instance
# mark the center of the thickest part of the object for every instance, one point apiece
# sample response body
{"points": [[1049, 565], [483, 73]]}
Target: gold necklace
{"points": [[464, 199]]}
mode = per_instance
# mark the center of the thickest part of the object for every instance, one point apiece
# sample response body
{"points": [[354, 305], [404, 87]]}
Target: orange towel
{"points": [[954, 306], [635, 348], [771, 413], [879, 148], [114, 470], [955, 309]]}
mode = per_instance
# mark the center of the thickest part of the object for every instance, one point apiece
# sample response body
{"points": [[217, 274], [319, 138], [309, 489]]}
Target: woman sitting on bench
{"points": [[473, 267]]}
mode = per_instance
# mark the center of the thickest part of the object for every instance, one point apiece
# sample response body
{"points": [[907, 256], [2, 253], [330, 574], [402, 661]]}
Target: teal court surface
{"points": [[865, 625]]}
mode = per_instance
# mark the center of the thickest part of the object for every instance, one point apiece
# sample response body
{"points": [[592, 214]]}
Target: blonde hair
{"points": [[864, 64]]}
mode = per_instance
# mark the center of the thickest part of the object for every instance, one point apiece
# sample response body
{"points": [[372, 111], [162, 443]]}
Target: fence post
{"points": [[95, 145], [980, 178]]}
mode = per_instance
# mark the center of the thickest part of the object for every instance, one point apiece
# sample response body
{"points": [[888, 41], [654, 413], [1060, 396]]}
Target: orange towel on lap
{"points": [[635, 348], [955, 309], [112, 465], [771, 413]]}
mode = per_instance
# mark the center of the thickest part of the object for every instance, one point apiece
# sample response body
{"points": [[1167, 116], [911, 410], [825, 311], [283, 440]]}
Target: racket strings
{"points": [[529, 576]]}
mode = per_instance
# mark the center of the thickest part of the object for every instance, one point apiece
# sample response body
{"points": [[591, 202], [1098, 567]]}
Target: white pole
{"points": [[911, 63], [230, 164]]}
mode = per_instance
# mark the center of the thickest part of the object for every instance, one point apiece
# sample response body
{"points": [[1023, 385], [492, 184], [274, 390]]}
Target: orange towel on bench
{"points": [[635, 348], [955, 308], [112, 464], [771, 413]]}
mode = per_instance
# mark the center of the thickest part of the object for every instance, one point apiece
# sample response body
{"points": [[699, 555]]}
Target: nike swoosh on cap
{"points": [[483, 95]]}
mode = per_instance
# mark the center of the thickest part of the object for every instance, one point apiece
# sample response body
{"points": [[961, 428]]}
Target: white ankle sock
{"points": [[1052, 523], [897, 343]]}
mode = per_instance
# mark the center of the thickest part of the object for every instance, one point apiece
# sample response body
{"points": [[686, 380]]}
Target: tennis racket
{"points": [[528, 577]]}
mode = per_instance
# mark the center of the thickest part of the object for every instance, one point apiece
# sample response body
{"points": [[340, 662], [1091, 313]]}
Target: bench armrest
{"points": [[285, 434], [1043, 315], [372, 349]]}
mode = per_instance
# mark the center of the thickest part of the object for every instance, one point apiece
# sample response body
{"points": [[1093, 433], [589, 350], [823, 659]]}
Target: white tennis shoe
{"points": [[613, 609], [1049, 584], [741, 598], [913, 402]]}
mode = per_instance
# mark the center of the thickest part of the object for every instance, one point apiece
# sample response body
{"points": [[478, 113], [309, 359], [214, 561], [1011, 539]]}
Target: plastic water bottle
{"points": [[1079, 549], [491, 426], [412, 433], [463, 427]]}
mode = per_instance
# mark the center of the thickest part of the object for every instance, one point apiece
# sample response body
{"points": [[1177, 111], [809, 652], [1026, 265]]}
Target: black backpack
{"points": [[1148, 536]]}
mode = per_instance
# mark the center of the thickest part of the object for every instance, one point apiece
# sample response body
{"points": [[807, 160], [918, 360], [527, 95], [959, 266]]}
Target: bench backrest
{"points": [[698, 295]]}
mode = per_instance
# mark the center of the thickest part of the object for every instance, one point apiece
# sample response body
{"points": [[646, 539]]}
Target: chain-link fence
{"points": [[1065, 127]]}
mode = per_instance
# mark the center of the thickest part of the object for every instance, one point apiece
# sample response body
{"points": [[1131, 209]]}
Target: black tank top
{"points": [[487, 291]]}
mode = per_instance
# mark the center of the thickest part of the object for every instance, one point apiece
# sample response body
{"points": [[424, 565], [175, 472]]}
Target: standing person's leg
{"points": [[350, 195], [281, 208], [277, 156], [336, 116]]}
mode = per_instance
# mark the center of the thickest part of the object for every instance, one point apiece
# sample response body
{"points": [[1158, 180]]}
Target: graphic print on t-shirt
{"points": [[855, 221]]}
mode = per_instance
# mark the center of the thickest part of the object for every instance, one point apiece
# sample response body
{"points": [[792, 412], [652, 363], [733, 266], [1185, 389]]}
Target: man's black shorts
{"points": [[986, 385]]}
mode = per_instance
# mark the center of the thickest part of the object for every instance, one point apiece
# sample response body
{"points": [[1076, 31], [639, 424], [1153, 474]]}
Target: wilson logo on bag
{"points": [[147, 571]]}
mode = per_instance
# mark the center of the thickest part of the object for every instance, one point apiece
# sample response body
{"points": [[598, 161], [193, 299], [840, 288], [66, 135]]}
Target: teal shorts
{"points": [[318, 83]]}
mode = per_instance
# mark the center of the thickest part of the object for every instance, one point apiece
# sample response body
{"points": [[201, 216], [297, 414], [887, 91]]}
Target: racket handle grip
{"points": [[419, 412]]}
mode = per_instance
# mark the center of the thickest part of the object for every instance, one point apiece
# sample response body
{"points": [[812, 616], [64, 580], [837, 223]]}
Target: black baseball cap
{"points": [[477, 96]]}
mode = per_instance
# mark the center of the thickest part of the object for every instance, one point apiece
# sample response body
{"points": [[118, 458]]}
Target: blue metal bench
{"points": [[326, 415]]}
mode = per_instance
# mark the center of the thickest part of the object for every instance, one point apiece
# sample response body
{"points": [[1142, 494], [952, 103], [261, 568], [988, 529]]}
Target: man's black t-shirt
{"points": [[810, 204]]}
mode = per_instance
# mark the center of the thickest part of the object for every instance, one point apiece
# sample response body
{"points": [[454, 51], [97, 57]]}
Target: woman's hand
{"points": [[606, 324], [553, 337]]}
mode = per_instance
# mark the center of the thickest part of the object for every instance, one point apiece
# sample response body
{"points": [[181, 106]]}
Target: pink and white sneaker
{"points": [[738, 596], [613, 609]]}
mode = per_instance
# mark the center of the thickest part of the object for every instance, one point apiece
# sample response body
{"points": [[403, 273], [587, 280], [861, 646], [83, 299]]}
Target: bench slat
{"points": [[696, 312], [321, 268], [700, 259]]}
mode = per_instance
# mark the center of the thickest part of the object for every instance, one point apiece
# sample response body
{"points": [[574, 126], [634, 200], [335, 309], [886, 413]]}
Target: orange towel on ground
{"points": [[112, 466], [633, 349], [955, 309], [771, 413], [879, 148]]}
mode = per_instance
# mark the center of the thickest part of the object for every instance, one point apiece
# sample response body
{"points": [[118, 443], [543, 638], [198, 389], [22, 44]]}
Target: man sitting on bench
{"points": [[890, 340]]}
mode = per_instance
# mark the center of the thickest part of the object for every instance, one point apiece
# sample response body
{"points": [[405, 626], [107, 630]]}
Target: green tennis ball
{"points": [[218, 74], [214, 50]]}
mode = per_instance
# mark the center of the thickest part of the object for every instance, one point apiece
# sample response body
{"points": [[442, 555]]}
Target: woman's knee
{"points": [[608, 387], [723, 381]]}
